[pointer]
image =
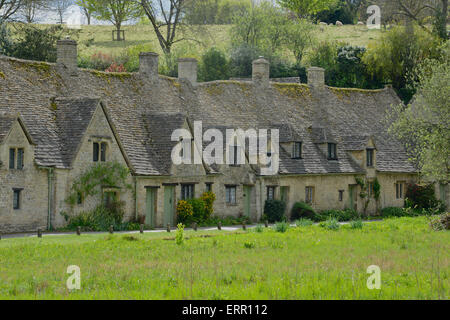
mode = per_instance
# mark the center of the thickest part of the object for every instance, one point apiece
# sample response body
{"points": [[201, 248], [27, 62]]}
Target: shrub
{"points": [[249, 245], [340, 215], [441, 223], [274, 210], [101, 61], [198, 207], [392, 212], [421, 197], [259, 228], [208, 198], [330, 224], [302, 222], [179, 237], [214, 66], [303, 210], [114, 67], [185, 212], [100, 219], [356, 224], [282, 226]]}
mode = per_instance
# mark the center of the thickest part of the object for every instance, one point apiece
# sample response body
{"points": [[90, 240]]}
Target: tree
{"points": [[115, 11], [395, 55], [299, 36], [8, 8], [306, 8], [171, 12], [424, 125], [29, 9], [88, 9], [60, 6], [214, 66]]}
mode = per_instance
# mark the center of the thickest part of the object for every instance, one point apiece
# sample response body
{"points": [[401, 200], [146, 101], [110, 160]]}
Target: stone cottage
{"points": [[57, 120]]}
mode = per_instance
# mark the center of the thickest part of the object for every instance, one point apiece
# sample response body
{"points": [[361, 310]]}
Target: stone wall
{"points": [[33, 210]]}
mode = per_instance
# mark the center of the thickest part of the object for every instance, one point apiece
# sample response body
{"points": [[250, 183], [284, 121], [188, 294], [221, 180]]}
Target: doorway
{"points": [[169, 205], [150, 207]]}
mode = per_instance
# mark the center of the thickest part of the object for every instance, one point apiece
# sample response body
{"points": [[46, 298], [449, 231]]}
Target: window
{"points": [[187, 191], [271, 193], [234, 155], [369, 153], [96, 151], [16, 158], [230, 194], [370, 191], [109, 197], [12, 158], [309, 194], [332, 155], [16, 199], [103, 151], [297, 150], [341, 195], [208, 186], [399, 190], [99, 151], [79, 198]]}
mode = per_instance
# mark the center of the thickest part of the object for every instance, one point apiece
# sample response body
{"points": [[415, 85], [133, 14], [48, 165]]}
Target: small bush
{"points": [[441, 222], [185, 212], [259, 228], [356, 224], [340, 215], [422, 197], [249, 245], [303, 222], [208, 198], [303, 210], [281, 226], [100, 219], [179, 237], [331, 224], [198, 206], [392, 212], [274, 210]]}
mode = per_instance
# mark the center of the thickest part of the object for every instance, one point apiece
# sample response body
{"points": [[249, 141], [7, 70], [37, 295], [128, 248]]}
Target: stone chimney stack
{"points": [[261, 72], [67, 56], [187, 69], [148, 65], [316, 77]]}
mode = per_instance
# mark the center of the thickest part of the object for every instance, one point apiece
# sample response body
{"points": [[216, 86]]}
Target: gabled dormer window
{"points": [[99, 151], [369, 157], [16, 156], [332, 151], [297, 150]]}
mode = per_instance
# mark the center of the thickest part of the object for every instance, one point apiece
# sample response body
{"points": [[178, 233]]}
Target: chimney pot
{"points": [[316, 77], [187, 69], [148, 65], [261, 72], [67, 56]]}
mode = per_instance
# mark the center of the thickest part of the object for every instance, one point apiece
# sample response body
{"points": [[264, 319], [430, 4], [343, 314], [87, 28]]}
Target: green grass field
{"points": [[92, 39], [303, 263]]}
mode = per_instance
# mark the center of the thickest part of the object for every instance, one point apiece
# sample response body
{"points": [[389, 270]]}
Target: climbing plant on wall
{"points": [[111, 174]]}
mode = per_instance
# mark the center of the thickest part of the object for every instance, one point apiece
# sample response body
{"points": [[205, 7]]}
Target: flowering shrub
{"points": [[185, 211], [101, 61], [208, 198], [421, 197], [114, 67]]}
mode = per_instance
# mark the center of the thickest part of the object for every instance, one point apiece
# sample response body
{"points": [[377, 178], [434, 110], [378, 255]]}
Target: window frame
{"points": [[190, 194], [341, 195], [309, 194], [17, 202], [332, 147], [12, 158], [208, 186], [95, 152], [103, 151], [229, 199], [370, 159], [399, 190], [297, 152], [274, 189]]}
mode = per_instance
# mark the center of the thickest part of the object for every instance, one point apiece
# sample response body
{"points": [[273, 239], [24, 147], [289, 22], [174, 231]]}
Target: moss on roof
{"points": [[293, 90]]}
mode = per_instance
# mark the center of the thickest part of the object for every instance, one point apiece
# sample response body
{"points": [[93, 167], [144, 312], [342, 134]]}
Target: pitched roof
{"points": [[144, 114], [6, 123]]}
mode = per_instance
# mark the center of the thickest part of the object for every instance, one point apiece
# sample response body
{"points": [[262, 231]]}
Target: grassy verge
{"points": [[302, 263]]}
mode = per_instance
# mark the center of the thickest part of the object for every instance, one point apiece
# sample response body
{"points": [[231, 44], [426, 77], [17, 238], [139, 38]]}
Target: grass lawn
{"points": [[303, 263], [92, 39]]}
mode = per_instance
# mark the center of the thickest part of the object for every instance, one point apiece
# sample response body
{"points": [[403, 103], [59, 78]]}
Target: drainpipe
{"points": [[135, 199], [50, 198]]}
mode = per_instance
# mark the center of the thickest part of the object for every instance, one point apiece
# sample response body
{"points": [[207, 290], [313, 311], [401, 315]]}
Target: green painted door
{"points": [[247, 200], [150, 207], [285, 195], [169, 205]]}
